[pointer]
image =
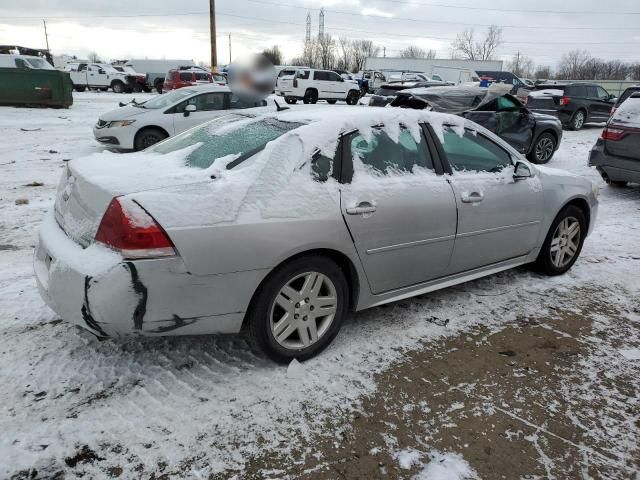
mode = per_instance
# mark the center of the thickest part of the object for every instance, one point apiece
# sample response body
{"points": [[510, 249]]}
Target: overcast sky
{"points": [[119, 29]]}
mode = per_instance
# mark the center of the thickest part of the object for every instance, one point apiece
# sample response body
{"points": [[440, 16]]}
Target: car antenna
{"points": [[278, 107]]}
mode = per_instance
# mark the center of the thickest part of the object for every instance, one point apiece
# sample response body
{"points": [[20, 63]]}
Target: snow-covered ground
{"points": [[198, 406]]}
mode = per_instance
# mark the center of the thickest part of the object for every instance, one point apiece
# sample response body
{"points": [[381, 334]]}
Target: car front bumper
{"points": [[110, 296], [120, 137]]}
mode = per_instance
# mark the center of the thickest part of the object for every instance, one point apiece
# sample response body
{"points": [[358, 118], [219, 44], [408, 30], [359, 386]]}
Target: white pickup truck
{"points": [[311, 85], [100, 75]]}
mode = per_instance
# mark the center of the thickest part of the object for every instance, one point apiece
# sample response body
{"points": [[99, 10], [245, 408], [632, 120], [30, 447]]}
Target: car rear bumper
{"points": [[98, 290], [617, 169]]}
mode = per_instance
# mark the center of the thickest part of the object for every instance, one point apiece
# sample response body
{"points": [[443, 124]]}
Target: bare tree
{"points": [[572, 65], [326, 51], [361, 50], [309, 54], [413, 51], [466, 46], [93, 57], [273, 54], [521, 65], [345, 53], [542, 73]]}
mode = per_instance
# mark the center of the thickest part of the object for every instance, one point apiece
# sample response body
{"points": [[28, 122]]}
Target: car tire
{"points": [[352, 97], [147, 137], [117, 86], [331, 102], [159, 87], [543, 149], [577, 120], [79, 88], [310, 96], [561, 248], [285, 287], [290, 100]]}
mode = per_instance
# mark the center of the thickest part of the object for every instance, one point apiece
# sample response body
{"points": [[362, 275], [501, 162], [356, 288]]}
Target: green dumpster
{"points": [[31, 87]]}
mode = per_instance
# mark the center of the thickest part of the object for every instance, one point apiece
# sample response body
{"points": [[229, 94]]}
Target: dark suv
{"points": [[573, 103]]}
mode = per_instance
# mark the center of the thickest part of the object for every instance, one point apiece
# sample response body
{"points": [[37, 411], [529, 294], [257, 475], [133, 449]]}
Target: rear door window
{"points": [[474, 152], [186, 76], [202, 76], [20, 63], [238, 102], [303, 74], [380, 155], [208, 102]]}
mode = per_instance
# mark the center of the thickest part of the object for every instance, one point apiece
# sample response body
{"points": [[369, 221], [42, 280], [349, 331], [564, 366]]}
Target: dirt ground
{"points": [[542, 398]]}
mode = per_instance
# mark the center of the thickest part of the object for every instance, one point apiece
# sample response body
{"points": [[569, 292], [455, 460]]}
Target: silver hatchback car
{"points": [[277, 225]]}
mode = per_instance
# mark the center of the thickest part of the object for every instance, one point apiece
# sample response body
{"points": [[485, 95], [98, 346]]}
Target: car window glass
{"points": [[208, 102], [319, 76], [602, 93], [202, 76], [505, 103], [238, 102], [186, 76], [381, 155], [321, 167], [334, 77], [591, 92], [20, 63], [303, 74], [473, 152]]}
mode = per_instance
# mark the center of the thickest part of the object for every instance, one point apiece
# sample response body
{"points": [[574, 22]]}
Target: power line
{"points": [[441, 22]]}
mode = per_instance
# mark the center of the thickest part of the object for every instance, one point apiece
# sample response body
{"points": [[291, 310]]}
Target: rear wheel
{"points": [[299, 309], [353, 97], [564, 242], [79, 88], [290, 100], [147, 137], [577, 121], [310, 96], [543, 149], [158, 87]]}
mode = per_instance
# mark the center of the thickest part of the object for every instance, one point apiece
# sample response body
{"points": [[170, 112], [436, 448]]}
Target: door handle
{"points": [[472, 197], [363, 207]]}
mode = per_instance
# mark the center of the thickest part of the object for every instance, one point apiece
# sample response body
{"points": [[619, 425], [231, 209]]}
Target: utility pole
{"points": [[229, 48], [46, 36], [384, 51], [212, 32]]}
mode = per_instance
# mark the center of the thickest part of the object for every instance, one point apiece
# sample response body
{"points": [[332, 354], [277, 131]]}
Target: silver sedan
{"points": [[277, 225]]}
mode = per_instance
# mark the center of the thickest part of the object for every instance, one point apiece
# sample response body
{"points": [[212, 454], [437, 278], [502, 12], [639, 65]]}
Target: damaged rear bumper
{"points": [[110, 296]]}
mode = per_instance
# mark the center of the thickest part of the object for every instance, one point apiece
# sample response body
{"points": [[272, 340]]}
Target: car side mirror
{"points": [[522, 171], [613, 99], [188, 109]]}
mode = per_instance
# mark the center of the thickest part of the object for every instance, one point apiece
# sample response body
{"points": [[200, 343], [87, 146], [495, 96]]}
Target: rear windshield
{"points": [[219, 138], [39, 63], [628, 114], [627, 93]]}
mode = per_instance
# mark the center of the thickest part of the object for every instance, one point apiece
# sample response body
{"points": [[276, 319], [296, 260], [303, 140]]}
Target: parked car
{"points": [[311, 85], [238, 225], [137, 126], [141, 78], [101, 76], [535, 135], [24, 61], [156, 70], [186, 77], [573, 103], [623, 96], [386, 93], [616, 154]]}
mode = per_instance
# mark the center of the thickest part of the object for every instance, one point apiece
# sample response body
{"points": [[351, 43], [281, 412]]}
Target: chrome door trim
{"points": [[373, 251], [498, 229]]}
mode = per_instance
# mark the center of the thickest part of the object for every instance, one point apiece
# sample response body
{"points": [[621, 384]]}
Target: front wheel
{"points": [[299, 309], [117, 87], [564, 242], [543, 149], [290, 100], [148, 137], [353, 97]]}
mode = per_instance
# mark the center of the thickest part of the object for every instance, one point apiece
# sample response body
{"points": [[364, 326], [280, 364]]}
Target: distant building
{"points": [[426, 64]]}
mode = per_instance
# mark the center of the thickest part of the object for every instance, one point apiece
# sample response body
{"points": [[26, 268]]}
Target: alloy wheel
{"points": [[544, 149], [303, 310], [578, 122], [565, 242]]}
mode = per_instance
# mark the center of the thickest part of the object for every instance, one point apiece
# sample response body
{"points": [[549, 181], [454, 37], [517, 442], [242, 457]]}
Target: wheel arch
{"points": [[583, 205], [343, 261], [149, 127]]}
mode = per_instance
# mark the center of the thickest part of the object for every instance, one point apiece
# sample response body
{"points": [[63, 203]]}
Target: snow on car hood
{"points": [[123, 113]]}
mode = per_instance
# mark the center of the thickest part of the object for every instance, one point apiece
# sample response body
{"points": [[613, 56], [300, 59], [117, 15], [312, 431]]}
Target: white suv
{"points": [[311, 85]]}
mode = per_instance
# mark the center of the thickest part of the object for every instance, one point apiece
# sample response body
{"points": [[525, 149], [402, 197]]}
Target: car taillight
{"points": [[295, 83], [613, 134], [129, 229], [564, 101]]}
